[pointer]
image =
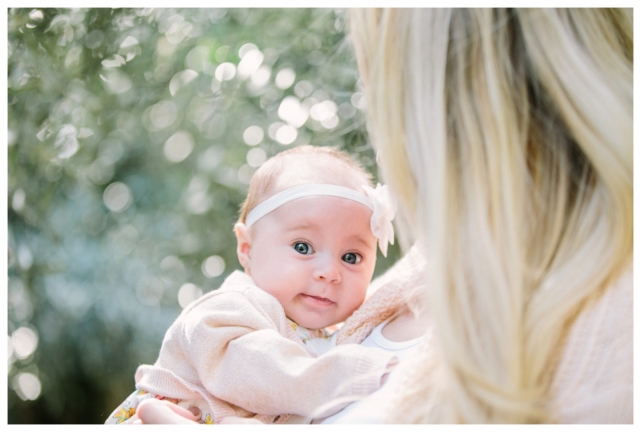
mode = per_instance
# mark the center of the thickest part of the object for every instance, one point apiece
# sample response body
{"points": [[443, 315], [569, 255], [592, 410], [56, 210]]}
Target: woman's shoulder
{"points": [[594, 380]]}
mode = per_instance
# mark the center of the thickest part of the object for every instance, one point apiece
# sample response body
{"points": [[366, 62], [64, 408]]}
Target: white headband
{"points": [[378, 200]]}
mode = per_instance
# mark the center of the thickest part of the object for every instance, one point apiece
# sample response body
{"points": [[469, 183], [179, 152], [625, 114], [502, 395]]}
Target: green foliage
{"points": [[128, 161]]}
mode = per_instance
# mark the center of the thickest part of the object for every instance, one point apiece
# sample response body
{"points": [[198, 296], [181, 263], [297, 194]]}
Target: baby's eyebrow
{"points": [[306, 226], [362, 241]]}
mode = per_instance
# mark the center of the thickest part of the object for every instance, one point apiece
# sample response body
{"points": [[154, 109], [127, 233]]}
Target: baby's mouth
{"points": [[321, 301]]}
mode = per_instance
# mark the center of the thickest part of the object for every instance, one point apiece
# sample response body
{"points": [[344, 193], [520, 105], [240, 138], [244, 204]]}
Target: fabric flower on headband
{"points": [[382, 216]]}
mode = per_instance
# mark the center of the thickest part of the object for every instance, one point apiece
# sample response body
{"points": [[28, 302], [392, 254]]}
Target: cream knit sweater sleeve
{"points": [[267, 374], [237, 345], [593, 382]]}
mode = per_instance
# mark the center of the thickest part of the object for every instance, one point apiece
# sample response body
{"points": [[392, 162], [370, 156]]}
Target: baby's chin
{"points": [[315, 325], [314, 320], [319, 324]]}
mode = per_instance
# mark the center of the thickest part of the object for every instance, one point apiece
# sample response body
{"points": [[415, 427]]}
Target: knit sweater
{"points": [[593, 382], [235, 348], [396, 289]]}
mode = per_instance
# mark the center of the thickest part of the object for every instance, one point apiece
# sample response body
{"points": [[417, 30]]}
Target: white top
{"points": [[372, 408], [377, 340]]}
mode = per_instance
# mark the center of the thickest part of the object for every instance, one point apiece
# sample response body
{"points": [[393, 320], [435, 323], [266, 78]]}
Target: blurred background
{"points": [[133, 134]]}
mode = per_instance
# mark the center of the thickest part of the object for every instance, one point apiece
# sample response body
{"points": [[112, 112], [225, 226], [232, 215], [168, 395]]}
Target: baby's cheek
{"points": [[355, 302], [359, 298]]}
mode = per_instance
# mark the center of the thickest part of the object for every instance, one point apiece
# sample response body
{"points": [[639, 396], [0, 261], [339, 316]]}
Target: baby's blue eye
{"points": [[303, 248], [352, 258]]}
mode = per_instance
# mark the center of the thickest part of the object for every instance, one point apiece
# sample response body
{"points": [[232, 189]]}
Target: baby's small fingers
{"points": [[154, 411], [197, 413]]}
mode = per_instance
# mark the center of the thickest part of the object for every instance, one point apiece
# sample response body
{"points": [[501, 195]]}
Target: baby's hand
{"points": [[154, 411]]}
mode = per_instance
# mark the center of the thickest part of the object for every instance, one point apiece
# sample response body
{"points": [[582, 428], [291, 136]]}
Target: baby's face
{"points": [[316, 255]]}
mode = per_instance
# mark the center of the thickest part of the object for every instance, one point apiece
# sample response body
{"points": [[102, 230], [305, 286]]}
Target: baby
{"points": [[256, 347]]}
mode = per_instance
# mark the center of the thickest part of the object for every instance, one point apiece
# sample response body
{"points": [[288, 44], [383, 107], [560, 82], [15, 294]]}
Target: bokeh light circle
{"points": [[286, 134], [256, 157], [117, 197], [253, 135], [178, 146], [27, 386], [187, 294], [213, 266], [225, 72], [24, 341], [285, 78]]}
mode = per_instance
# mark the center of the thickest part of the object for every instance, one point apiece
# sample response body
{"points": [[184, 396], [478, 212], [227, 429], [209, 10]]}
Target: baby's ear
{"points": [[243, 239]]}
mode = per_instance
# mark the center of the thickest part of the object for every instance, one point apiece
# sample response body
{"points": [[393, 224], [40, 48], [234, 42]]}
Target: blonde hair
{"points": [[507, 134], [331, 165]]}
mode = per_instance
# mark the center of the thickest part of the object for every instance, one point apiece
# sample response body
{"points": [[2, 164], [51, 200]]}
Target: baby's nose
{"points": [[327, 270]]}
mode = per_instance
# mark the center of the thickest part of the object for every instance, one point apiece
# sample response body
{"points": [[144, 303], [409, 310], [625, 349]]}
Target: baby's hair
{"points": [[334, 166]]}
